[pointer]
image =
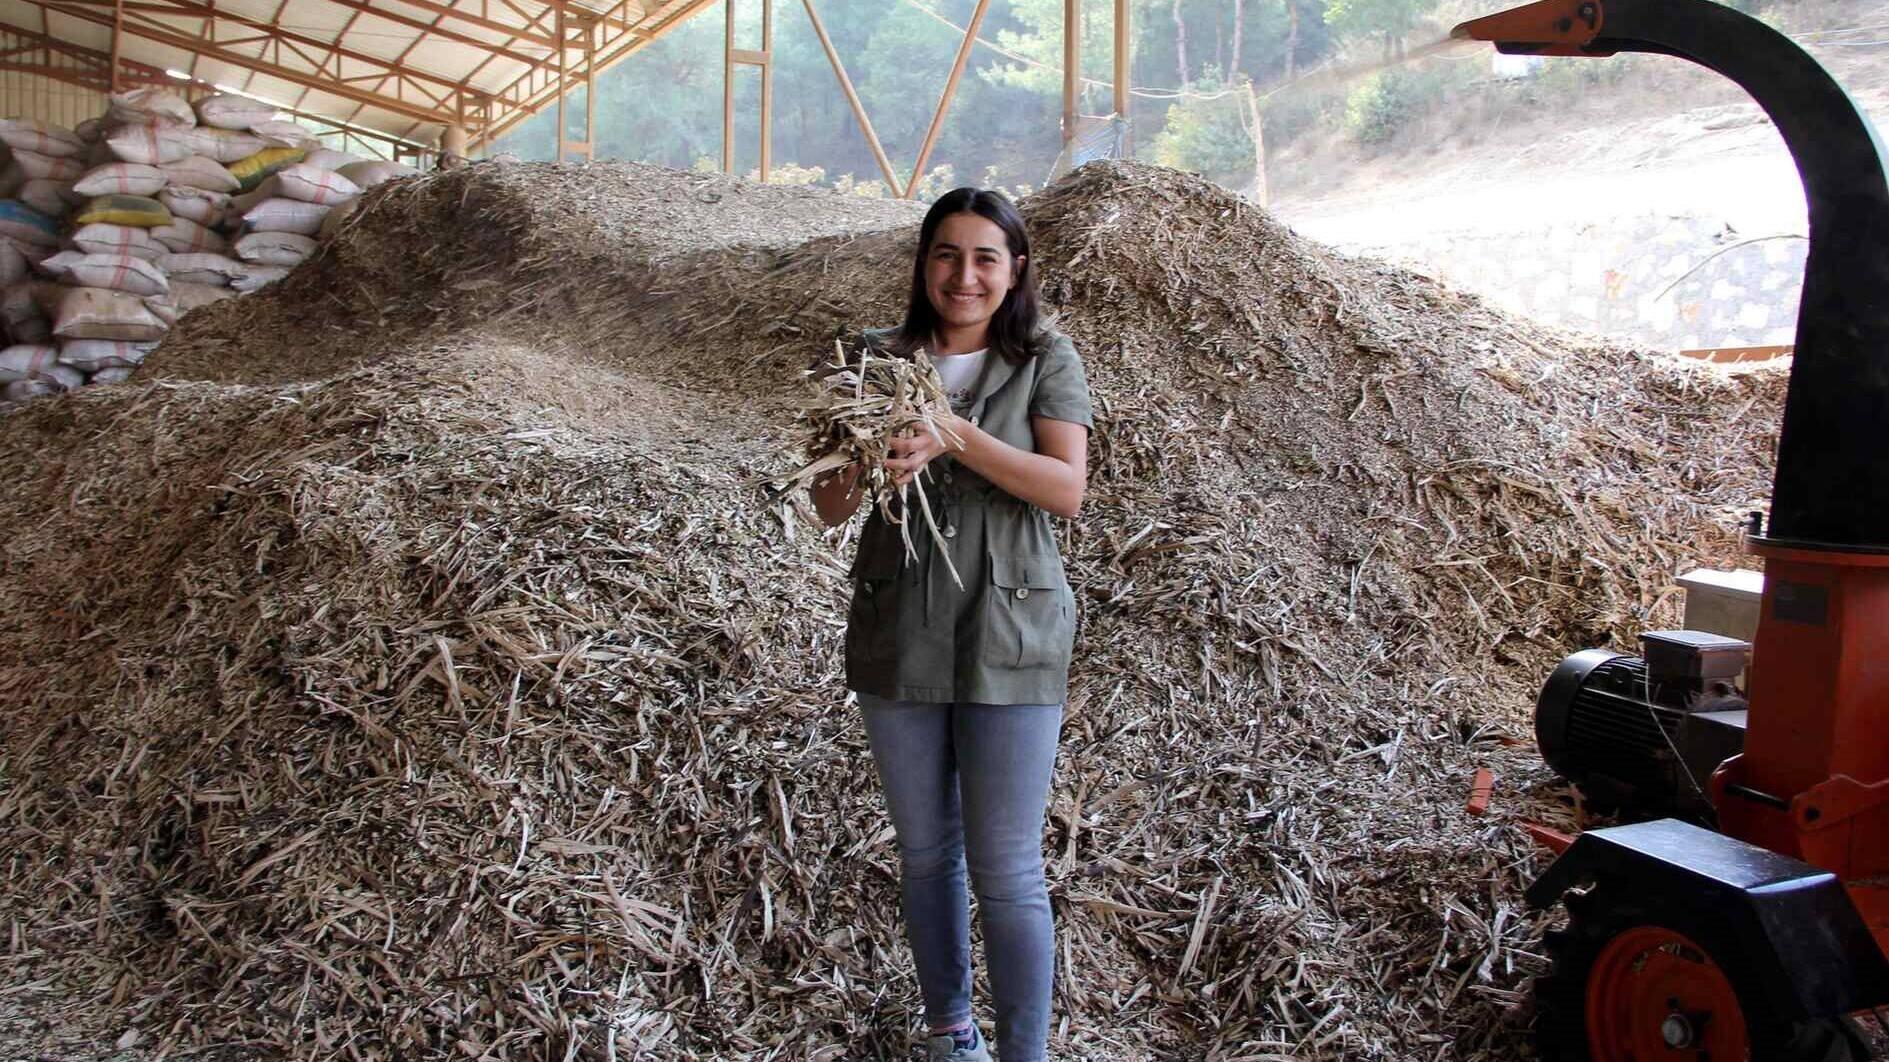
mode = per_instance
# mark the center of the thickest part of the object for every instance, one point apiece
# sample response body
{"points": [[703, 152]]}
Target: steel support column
{"points": [[1072, 65], [118, 35], [586, 38], [1122, 64], [852, 97], [944, 101], [733, 57]]}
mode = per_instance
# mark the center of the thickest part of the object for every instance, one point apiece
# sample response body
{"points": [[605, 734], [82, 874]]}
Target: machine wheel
{"points": [[1631, 983]]}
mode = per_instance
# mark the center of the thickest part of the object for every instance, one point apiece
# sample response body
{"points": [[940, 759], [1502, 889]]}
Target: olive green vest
{"points": [[1005, 637]]}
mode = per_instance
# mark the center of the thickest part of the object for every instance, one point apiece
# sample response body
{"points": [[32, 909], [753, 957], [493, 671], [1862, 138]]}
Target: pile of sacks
{"points": [[110, 231]]}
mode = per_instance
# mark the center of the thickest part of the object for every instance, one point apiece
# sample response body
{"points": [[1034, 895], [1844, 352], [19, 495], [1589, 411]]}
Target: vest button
{"points": [[1022, 592], [951, 531]]}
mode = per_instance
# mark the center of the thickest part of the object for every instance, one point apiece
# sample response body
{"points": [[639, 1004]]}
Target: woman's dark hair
{"points": [[1015, 329]]}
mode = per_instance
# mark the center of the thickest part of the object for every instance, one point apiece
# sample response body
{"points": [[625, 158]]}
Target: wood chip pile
{"points": [[405, 664], [109, 232]]}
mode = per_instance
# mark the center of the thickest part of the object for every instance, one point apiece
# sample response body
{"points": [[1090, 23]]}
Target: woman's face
{"points": [[968, 270]]}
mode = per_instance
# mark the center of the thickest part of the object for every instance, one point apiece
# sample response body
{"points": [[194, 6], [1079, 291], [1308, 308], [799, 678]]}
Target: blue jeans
{"points": [[967, 783]]}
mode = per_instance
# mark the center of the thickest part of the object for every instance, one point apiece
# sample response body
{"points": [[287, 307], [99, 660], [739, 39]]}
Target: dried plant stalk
{"points": [[860, 402]]}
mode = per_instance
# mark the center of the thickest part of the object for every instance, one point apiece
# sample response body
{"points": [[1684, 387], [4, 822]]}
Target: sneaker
{"points": [[949, 1048]]}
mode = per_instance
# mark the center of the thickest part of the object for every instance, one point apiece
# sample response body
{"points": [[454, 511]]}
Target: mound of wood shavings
{"points": [[430, 682]]}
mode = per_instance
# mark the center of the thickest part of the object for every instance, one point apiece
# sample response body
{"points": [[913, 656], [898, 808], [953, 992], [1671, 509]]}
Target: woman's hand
{"points": [[914, 448]]}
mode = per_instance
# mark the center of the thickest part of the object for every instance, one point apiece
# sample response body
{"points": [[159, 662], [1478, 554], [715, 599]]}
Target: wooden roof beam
{"points": [[192, 9], [525, 101], [183, 42], [99, 77], [439, 29]]}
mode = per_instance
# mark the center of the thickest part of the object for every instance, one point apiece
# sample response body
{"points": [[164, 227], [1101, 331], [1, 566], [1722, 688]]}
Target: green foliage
{"points": [[790, 174], [1207, 133], [1039, 37], [1563, 78], [871, 189], [1387, 21], [936, 182], [1380, 106], [1290, 115], [664, 105], [900, 74]]}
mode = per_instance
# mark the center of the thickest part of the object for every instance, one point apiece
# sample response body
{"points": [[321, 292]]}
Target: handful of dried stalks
{"points": [[860, 401]]}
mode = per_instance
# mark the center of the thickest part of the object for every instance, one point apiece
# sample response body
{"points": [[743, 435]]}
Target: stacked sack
{"points": [[37, 178], [109, 232]]}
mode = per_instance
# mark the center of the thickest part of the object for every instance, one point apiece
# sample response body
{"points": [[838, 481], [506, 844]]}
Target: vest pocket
{"points": [[872, 623], [1030, 624]]}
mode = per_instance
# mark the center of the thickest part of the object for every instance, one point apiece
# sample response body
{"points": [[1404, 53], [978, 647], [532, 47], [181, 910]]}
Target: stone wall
{"points": [[1618, 278]]}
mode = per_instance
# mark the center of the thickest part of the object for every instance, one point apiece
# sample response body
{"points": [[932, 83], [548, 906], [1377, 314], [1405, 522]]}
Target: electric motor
{"points": [[1645, 733]]}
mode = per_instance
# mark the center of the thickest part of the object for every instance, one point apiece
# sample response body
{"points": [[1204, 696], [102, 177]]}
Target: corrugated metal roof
{"points": [[405, 68]]}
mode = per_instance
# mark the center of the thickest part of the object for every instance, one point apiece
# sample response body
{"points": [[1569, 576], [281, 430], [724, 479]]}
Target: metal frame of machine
{"points": [[1753, 941]]}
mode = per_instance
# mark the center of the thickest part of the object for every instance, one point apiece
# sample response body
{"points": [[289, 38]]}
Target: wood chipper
{"points": [[1753, 939]]}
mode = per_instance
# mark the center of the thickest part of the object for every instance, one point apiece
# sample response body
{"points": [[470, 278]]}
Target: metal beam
{"points": [[526, 97], [1121, 57], [178, 40], [1072, 65], [118, 40], [944, 101], [438, 29], [852, 98], [518, 34], [134, 72], [459, 106], [727, 88], [767, 87], [1123, 63], [194, 9]]}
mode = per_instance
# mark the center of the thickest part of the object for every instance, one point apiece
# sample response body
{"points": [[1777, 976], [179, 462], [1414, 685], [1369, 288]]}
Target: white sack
{"points": [[194, 296], [121, 178], [201, 269], [194, 204], [285, 215], [91, 355], [183, 236], [94, 313], [199, 171], [258, 276], [143, 106], [100, 238], [38, 361], [275, 248], [370, 173], [116, 272], [230, 111], [28, 134], [45, 197]]}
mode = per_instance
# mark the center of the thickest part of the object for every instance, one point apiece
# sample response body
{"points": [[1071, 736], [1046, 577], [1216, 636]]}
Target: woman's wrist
{"points": [[958, 439]]}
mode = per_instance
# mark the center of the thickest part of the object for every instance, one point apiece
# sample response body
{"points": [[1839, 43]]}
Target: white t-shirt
{"points": [[959, 373]]}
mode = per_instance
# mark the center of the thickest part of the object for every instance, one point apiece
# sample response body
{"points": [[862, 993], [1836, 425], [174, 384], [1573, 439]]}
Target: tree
{"points": [[1389, 21], [1206, 133]]}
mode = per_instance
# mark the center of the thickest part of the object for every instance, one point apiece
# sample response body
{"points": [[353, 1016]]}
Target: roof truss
{"points": [[72, 64], [509, 58]]}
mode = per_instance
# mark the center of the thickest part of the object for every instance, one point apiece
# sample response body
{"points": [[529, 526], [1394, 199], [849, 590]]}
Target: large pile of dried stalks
{"points": [[406, 665]]}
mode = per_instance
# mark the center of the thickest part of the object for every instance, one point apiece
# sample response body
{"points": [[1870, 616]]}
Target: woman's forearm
{"points": [[837, 498], [1044, 480]]}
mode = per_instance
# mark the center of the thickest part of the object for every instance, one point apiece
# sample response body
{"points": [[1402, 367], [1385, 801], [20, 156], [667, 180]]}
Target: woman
{"points": [[962, 689]]}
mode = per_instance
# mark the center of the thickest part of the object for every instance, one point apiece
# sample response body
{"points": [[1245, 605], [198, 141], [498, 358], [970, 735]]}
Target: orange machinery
{"points": [[1753, 940]]}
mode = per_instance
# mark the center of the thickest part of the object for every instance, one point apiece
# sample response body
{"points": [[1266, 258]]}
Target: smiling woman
{"points": [[962, 688]]}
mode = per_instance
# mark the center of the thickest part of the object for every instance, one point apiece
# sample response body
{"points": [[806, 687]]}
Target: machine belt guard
{"points": [[1808, 945]]}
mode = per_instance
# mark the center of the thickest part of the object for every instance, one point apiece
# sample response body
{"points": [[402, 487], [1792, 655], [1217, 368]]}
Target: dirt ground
{"points": [[1667, 136]]}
